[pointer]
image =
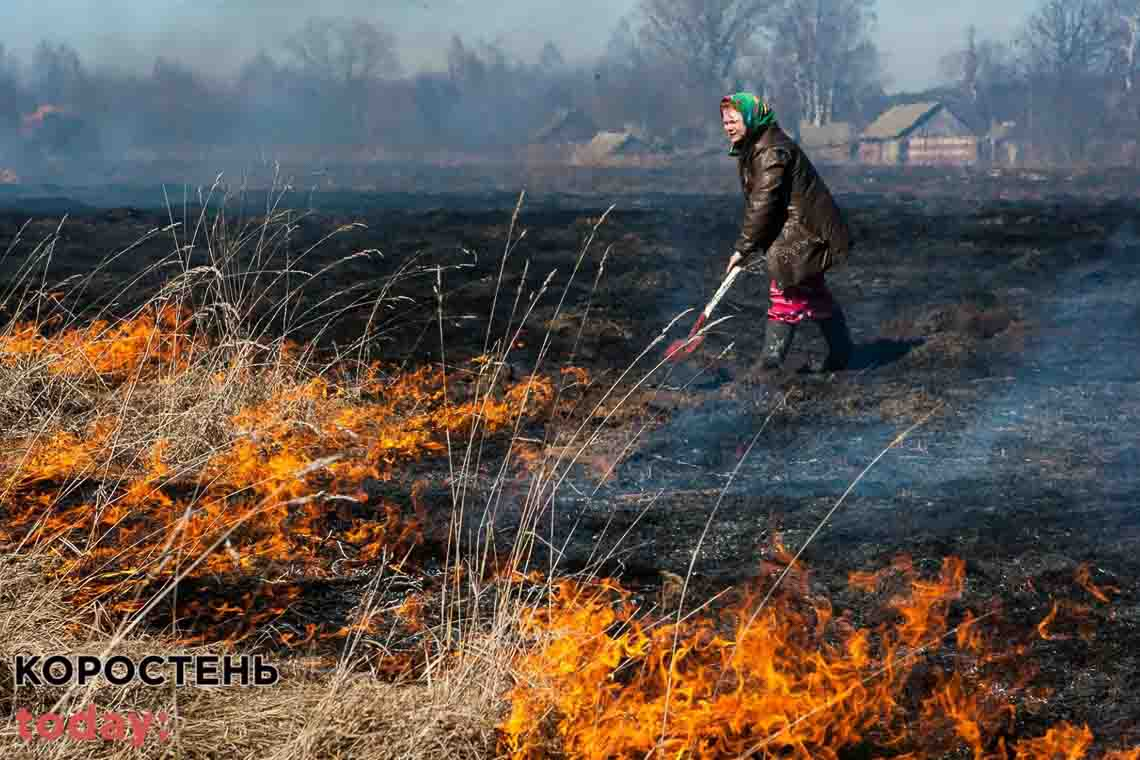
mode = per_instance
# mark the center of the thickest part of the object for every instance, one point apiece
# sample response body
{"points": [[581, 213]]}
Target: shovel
{"points": [[685, 346]]}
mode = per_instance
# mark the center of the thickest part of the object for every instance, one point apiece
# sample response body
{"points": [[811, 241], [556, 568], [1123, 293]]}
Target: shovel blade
{"points": [[685, 346], [682, 348]]}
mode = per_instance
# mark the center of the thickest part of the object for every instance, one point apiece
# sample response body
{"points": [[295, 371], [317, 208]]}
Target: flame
{"points": [[1046, 622], [29, 123], [790, 680], [156, 339], [291, 500], [411, 611], [1063, 742], [1083, 577], [1075, 612], [288, 495], [793, 680]]}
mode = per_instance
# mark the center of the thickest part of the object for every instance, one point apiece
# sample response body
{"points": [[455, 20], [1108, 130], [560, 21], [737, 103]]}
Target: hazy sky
{"points": [[216, 34]]}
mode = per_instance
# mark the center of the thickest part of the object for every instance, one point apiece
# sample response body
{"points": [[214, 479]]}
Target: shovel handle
{"points": [[724, 286]]}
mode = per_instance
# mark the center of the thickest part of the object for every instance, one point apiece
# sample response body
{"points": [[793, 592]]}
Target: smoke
{"points": [[1052, 437], [1032, 441], [185, 80], [914, 37], [215, 37]]}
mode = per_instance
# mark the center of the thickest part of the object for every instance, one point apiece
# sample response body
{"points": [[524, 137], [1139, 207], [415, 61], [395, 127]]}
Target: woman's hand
{"points": [[734, 260]]}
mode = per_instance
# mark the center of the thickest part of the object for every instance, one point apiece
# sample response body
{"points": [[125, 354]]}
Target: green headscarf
{"points": [[756, 113]]}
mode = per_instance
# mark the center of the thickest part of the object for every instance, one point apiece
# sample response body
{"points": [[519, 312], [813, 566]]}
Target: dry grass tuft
{"points": [[309, 714], [191, 440]]}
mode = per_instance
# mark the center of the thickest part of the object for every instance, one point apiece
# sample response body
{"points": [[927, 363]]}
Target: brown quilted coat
{"points": [[789, 212]]}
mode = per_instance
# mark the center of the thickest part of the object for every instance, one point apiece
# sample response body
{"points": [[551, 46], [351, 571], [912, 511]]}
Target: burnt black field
{"points": [[1000, 311]]}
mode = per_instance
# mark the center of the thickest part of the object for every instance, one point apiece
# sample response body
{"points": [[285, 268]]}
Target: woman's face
{"points": [[733, 124]]}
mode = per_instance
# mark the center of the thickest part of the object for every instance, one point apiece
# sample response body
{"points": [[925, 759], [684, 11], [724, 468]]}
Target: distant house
{"points": [[918, 134], [832, 143], [568, 126], [617, 148]]}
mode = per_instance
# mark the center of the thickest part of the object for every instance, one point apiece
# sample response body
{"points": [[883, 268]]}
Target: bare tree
{"points": [[984, 71], [620, 69], [952, 66], [57, 74], [825, 50], [550, 58], [344, 51], [1067, 55], [464, 67], [704, 38], [970, 63], [344, 59], [11, 94], [623, 49], [1068, 39], [1125, 17]]}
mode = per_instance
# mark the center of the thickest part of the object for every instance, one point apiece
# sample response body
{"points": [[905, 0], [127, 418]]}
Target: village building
{"points": [[918, 134], [569, 125], [617, 148]]}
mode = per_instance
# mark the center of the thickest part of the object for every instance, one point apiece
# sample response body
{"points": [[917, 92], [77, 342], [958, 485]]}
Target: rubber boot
{"points": [[839, 345], [777, 340]]}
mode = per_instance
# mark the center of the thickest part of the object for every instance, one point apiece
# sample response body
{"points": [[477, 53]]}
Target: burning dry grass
{"points": [[278, 487], [309, 714], [171, 483], [595, 677], [178, 478], [788, 679]]}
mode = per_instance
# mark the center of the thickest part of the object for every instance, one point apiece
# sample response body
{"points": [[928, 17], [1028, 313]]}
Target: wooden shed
{"points": [[918, 134]]}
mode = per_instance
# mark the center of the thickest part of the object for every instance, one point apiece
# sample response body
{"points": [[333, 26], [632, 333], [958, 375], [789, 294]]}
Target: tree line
{"points": [[1067, 80]]}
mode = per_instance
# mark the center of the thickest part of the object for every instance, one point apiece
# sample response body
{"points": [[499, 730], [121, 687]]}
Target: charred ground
{"points": [[997, 310]]}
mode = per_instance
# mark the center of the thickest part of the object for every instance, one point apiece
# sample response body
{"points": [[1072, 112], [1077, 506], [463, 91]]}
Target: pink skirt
{"points": [[809, 300]]}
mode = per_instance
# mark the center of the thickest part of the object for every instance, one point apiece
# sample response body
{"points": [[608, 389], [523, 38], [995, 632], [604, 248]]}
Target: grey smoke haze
{"points": [[217, 35]]}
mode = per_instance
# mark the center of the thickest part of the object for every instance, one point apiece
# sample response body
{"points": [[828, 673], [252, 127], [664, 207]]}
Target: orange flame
{"points": [[156, 339], [1083, 577], [288, 493], [29, 123], [292, 494], [603, 680], [792, 682], [1064, 742]]}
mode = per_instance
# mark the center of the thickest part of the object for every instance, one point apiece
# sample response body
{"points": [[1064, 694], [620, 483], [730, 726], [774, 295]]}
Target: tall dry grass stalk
{"points": [[164, 383]]}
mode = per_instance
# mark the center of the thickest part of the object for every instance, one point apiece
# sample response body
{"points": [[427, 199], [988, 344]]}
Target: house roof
{"points": [[894, 122], [605, 143], [572, 124]]}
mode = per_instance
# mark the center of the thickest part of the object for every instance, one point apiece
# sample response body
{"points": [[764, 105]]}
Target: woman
{"points": [[790, 214]]}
